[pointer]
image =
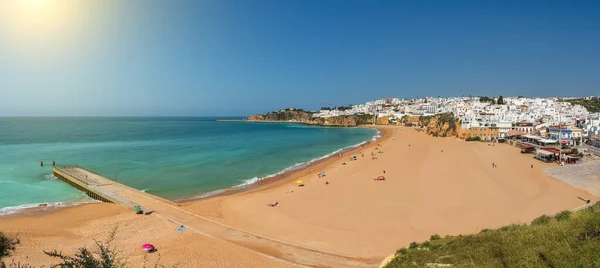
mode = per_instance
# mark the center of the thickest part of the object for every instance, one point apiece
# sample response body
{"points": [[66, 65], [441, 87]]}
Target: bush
{"points": [[435, 246], [426, 244], [435, 237], [103, 256], [590, 230], [8, 244], [413, 245], [564, 215], [401, 251], [541, 220], [475, 138]]}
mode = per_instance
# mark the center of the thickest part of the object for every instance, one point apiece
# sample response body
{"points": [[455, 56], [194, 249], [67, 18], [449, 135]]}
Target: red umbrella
{"points": [[148, 247]]}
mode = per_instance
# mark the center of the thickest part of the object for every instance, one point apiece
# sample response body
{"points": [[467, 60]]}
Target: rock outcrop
{"points": [[290, 114], [294, 115], [439, 125]]}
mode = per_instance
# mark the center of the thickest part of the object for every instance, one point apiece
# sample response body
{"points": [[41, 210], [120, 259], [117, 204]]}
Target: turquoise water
{"points": [[169, 157]]}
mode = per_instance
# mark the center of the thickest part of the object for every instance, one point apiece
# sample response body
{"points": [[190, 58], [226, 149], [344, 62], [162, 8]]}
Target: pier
{"points": [[105, 189], [97, 186]]}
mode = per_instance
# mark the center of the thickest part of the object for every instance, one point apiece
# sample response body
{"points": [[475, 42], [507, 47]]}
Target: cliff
{"points": [[290, 114], [439, 125], [306, 117], [341, 121]]}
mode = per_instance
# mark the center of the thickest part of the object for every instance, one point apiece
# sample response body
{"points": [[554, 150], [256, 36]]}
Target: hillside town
{"points": [[538, 122]]}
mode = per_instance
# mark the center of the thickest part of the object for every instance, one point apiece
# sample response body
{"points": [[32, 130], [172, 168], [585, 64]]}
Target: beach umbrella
{"points": [[381, 178], [299, 182], [148, 247]]}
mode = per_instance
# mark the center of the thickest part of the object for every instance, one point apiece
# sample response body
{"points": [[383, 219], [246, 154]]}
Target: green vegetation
{"points": [[8, 244], [593, 106], [487, 99], [474, 138], [102, 256], [364, 119], [501, 100], [565, 240], [339, 108]]}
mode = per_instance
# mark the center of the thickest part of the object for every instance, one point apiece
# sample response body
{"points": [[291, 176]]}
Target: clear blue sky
{"points": [[113, 57]]}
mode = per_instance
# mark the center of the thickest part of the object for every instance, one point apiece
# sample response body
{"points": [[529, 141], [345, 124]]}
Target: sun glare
{"points": [[39, 21], [35, 3]]}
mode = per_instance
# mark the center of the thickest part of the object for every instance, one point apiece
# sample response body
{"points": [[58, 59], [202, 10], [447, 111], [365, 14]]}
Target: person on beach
{"points": [[326, 182], [531, 166], [384, 171]]}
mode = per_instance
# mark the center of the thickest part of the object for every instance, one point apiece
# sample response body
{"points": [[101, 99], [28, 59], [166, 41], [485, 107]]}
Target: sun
{"points": [[35, 3]]}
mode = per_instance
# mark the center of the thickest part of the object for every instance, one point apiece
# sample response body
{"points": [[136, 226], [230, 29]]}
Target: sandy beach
{"points": [[432, 186]]}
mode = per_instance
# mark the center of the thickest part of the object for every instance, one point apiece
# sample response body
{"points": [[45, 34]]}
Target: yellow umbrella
{"points": [[299, 182]]}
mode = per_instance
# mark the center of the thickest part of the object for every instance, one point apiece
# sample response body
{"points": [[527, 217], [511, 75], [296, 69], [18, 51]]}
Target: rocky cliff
{"points": [[306, 117], [343, 121], [440, 125], [283, 115]]}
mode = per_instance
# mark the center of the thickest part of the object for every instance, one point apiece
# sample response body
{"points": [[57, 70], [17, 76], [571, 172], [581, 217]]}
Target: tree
{"points": [[500, 100]]}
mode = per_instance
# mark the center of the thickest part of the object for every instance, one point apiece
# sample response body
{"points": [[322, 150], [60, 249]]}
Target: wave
{"points": [[50, 176], [6, 211], [296, 166]]}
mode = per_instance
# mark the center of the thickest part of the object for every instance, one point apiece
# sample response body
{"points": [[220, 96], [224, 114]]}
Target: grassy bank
{"points": [[564, 240]]}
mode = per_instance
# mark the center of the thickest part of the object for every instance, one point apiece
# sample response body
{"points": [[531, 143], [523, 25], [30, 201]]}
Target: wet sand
{"points": [[426, 191]]}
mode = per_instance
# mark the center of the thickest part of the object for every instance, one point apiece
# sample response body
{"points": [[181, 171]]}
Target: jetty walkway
{"points": [[107, 190]]}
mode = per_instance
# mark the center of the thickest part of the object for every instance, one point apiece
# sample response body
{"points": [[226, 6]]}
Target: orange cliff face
{"points": [[307, 118]]}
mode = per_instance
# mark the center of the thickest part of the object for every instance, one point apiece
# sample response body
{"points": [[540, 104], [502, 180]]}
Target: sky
{"points": [[237, 58]]}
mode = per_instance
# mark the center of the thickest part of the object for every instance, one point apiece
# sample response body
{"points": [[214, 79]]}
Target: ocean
{"points": [[171, 157]]}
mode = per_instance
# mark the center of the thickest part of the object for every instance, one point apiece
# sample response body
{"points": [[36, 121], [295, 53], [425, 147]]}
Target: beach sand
{"points": [[433, 186]]}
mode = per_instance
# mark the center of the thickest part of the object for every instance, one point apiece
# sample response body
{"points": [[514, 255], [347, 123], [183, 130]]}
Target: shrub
{"points": [[401, 251], [413, 245], [426, 244], [435, 246], [590, 230], [435, 237], [564, 215], [103, 256], [8, 244], [541, 220], [474, 138]]}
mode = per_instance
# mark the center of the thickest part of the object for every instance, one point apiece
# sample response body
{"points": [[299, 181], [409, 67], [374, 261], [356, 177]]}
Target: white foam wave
{"points": [[50, 176], [208, 194], [44, 206], [293, 167]]}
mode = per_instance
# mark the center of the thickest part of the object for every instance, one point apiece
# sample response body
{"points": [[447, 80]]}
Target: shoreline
{"points": [[39, 209], [290, 174], [348, 212]]}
